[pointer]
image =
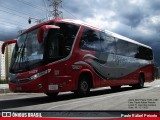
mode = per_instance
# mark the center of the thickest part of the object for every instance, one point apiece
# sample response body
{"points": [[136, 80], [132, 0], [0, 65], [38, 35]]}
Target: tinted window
{"points": [[108, 43], [68, 32], [133, 49], [144, 53], [59, 42], [122, 47], [90, 40]]}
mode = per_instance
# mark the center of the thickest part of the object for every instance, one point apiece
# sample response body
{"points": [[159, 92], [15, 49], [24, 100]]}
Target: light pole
{"points": [[36, 20]]}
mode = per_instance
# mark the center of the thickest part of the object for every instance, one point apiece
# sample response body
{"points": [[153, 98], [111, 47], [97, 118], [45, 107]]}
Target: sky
{"points": [[135, 19]]}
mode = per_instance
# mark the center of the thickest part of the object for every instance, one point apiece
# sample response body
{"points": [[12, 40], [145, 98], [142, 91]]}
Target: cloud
{"points": [[136, 19]]}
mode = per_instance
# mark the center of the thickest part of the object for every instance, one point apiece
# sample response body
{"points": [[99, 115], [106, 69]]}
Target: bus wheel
{"points": [[83, 87], [52, 95], [115, 88], [140, 83]]}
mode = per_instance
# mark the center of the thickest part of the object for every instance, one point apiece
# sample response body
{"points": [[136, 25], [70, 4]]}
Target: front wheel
{"points": [[83, 87]]}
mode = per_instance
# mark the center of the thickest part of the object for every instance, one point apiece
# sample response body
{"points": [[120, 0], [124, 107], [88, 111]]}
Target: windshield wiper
{"points": [[19, 57]]}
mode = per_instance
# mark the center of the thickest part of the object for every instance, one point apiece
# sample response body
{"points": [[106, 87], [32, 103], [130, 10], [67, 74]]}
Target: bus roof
{"points": [[81, 23], [125, 38]]}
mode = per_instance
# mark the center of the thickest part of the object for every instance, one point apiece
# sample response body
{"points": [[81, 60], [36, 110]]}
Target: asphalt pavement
{"points": [[99, 99]]}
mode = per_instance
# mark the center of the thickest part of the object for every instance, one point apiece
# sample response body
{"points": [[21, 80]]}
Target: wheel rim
{"points": [[141, 82], [84, 86]]}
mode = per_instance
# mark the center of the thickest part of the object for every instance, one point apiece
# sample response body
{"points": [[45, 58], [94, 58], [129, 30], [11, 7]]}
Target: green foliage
{"points": [[3, 82]]}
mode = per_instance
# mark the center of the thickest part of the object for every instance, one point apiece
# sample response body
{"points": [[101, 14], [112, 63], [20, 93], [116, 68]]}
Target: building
{"points": [[5, 60], [2, 64]]}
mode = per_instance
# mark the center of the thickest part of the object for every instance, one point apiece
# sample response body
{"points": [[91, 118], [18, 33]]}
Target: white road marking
{"points": [[157, 86], [99, 98]]}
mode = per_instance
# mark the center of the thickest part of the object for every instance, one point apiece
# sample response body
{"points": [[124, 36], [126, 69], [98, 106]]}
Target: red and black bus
{"points": [[68, 55]]}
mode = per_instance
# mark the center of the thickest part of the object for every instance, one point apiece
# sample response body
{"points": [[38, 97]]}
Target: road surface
{"points": [[127, 98]]}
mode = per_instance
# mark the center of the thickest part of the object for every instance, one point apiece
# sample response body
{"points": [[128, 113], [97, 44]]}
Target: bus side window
{"points": [[108, 43], [122, 47], [145, 53], [67, 33], [90, 40], [133, 50]]}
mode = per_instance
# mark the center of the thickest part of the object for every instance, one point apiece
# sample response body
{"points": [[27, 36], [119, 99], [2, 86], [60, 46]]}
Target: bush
{"points": [[3, 82]]}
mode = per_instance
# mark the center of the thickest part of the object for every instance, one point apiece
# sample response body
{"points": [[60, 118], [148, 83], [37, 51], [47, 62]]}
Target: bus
{"points": [[63, 55]]}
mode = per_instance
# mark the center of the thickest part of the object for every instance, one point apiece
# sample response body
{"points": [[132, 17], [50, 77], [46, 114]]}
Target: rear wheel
{"points": [[83, 87], [140, 83], [52, 95]]}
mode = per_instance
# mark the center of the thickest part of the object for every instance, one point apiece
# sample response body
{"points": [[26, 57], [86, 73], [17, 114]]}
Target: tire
{"points": [[115, 88], [52, 95], [83, 87], [140, 82]]}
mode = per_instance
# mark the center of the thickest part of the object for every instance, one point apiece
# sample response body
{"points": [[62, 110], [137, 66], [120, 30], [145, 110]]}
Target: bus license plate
{"points": [[18, 88], [53, 87]]}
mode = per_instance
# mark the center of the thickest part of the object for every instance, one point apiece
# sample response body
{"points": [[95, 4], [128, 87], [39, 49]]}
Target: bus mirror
{"points": [[42, 30], [7, 43]]}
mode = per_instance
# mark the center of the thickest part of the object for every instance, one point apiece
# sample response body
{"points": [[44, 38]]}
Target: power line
{"points": [[26, 14], [41, 7], [4, 21], [13, 14], [69, 13], [12, 21], [30, 4], [47, 10]]}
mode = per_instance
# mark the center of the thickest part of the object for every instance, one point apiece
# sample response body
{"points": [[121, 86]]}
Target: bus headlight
{"points": [[37, 75]]}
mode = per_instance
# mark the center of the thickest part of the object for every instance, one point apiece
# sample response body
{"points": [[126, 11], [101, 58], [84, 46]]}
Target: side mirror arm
{"points": [[8, 42], [41, 31]]}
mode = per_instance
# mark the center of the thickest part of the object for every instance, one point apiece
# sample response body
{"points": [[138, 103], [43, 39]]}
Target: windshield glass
{"points": [[28, 53]]}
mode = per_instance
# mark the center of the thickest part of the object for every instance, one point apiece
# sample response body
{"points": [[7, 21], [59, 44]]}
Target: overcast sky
{"points": [[136, 19]]}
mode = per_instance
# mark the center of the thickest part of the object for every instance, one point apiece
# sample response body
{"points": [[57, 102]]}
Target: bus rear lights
{"points": [[37, 75]]}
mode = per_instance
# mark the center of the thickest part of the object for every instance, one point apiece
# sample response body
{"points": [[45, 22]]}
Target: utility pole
{"points": [[54, 11]]}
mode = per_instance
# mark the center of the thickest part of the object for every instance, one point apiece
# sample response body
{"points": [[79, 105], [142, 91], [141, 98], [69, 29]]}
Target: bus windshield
{"points": [[27, 52]]}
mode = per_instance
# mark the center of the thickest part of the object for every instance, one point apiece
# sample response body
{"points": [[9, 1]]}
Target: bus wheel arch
{"points": [[84, 84]]}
